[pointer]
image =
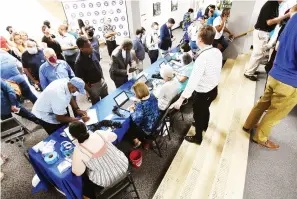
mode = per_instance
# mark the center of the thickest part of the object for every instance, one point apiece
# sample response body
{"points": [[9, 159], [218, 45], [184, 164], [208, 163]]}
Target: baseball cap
{"points": [[79, 84], [166, 72]]}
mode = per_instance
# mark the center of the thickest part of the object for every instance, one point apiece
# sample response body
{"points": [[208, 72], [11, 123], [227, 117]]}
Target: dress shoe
{"points": [[192, 139], [268, 144], [252, 78], [246, 130], [257, 73]]}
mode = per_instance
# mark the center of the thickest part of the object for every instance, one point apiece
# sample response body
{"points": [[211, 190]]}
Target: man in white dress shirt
{"points": [[203, 82]]}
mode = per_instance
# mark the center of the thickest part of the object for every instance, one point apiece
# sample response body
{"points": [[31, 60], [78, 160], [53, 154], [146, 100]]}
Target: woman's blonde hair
{"points": [[141, 90]]}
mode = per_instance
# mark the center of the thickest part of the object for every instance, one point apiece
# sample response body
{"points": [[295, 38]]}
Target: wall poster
{"points": [[93, 13], [174, 5], [156, 9]]}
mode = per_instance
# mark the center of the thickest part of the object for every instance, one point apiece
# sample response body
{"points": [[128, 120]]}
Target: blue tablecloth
{"points": [[67, 182]]}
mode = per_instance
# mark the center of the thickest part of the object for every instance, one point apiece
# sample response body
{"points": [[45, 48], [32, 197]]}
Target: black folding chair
{"points": [[118, 187]]}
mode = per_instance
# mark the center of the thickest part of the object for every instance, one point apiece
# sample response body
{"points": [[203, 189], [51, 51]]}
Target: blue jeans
{"points": [[25, 88], [193, 45], [221, 41], [23, 113]]}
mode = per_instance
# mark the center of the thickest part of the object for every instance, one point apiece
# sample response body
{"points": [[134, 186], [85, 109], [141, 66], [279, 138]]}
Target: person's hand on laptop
{"points": [[131, 70], [132, 109]]}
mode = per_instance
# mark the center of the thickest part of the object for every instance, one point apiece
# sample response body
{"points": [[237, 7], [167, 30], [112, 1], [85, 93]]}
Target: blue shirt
{"points": [[8, 67], [146, 114], [8, 98], [211, 19], [185, 71], [53, 101], [285, 64], [49, 73], [95, 45], [139, 49]]}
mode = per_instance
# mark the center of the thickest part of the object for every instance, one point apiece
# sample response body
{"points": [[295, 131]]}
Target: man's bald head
{"points": [[48, 52]]}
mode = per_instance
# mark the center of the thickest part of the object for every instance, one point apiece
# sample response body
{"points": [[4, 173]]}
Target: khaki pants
{"points": [[260, 39], [278, 99]]}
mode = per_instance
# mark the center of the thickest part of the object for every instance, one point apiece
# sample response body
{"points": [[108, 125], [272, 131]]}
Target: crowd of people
{"points": [[62, 66]]}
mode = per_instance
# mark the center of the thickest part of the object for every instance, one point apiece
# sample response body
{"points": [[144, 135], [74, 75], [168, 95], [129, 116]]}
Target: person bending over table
{"points": [[203, 82], [183, 73], [144, 114], [96, 158], [169, 89], [120, 59], [51, 105]]}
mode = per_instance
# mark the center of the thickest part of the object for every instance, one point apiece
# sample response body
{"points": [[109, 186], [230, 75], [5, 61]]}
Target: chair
{"points": [[119, 186], [158, 131]]}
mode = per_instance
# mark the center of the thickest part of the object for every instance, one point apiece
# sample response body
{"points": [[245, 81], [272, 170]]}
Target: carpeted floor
{"points": [[272, 174]]}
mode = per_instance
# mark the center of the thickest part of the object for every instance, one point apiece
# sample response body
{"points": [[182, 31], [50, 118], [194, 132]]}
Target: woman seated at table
{"points": [[144, 114], [96, 158], [183, 74], [169, 89]]}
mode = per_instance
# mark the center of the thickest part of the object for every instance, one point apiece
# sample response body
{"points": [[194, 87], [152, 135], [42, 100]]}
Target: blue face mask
{"points": [[76, 93]]}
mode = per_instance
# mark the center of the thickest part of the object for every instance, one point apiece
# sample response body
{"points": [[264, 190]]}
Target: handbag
{"points": [[15, 87]]}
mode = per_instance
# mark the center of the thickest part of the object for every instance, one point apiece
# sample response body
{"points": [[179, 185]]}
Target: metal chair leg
{"points": [[133, 184], [167, 129], [158, 147]]}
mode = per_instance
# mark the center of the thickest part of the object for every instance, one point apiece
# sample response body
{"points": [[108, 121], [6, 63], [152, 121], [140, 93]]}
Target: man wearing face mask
{"points": [[68, 44], [51, 105], [53, 69], [120, 59], [109, 35], [32, 59], [152, 41], [220, 26], [166, 36], [88, 68], [94, 41], [138, 48], [203, 82]]}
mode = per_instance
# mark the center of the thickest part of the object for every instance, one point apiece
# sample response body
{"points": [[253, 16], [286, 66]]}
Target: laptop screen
{"points": [[142, 78], [162, 64], [168, 57], [121, 98]]}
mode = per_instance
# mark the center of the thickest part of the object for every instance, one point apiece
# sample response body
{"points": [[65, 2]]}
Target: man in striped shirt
{"points": [[203, 82]]}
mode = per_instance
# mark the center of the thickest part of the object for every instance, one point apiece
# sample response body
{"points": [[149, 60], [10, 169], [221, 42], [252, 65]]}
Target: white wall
{"points": [[146, 12], [25, 15]]}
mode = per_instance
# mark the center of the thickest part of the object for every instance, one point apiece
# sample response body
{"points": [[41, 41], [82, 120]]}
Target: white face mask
{"points": [[76, 93], [124, 54], [32, 50]]}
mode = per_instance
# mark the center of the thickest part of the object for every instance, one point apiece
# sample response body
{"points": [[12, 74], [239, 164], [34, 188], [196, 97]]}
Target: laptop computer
{"points": [[168, 57], [123, 102], [162, 64], [144, 79]]}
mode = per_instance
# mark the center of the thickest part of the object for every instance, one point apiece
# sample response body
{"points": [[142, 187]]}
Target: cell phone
{"points": [[18, 110]]}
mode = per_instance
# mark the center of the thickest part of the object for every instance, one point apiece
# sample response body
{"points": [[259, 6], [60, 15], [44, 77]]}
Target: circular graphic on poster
{"points": [[99, 28], [116, 19], [96, 13], [121, 2], [109, 20], [110, 11], [87, 22], [82, 5], [73, 15], [106, 3], [114, 27], [81, 14], [97, 36], [102, 20], [94, 21], [113, 3], [88, 13], [98, 4], [119, 34], [103, 12], [125, 33], [90, 5], [66, 6], [74, 6], [123, 18], [119, 10], [121, 26]]}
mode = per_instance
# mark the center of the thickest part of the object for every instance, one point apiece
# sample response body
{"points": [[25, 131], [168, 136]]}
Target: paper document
{"points": [[93, 117], [66, 130]]}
